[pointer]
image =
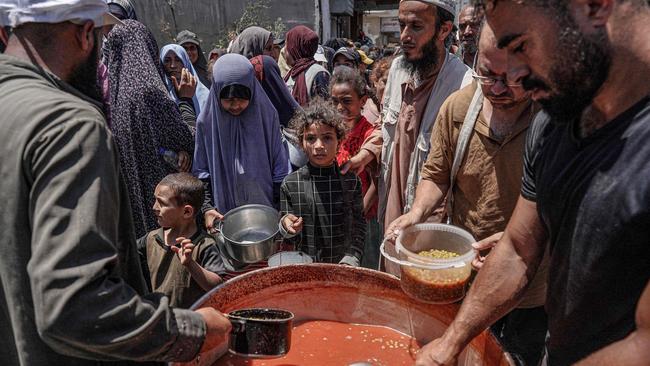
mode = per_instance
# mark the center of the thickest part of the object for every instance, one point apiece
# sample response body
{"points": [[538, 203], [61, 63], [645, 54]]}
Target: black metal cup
{"points": [[260, 333]]}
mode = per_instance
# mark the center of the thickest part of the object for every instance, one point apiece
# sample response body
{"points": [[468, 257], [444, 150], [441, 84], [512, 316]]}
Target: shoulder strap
{"points": [[310, 75], [461, 146]]}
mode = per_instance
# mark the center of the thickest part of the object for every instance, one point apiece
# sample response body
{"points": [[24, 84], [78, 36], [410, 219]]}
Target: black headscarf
{"points": [[275, 88], [201, 64]]}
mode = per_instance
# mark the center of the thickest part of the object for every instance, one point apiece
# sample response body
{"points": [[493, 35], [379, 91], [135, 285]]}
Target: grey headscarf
{"points": [[123, 9], [251, 42]]}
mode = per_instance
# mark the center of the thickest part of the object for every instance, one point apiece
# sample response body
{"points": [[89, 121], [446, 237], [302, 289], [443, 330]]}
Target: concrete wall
{"points": [[212, 18], [372, 27]]}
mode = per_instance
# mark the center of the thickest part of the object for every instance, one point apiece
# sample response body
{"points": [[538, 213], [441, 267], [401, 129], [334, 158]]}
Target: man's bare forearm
{"points": [[503, 279], [428, 197]]}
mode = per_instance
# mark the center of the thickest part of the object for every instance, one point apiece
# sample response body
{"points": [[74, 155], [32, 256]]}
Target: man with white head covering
{"points": [[418, 82], [72, 290]]}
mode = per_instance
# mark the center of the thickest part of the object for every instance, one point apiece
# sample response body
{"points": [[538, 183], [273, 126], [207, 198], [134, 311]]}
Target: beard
{"points": [[429, 60], [469, 45], [84, 76], [581, 67]]}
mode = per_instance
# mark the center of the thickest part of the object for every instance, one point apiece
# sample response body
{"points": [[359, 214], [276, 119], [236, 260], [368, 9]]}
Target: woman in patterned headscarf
{"points": [[144, 118]]}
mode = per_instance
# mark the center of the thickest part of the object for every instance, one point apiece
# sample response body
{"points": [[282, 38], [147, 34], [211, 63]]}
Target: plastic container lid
{"points": [[422, 237]]}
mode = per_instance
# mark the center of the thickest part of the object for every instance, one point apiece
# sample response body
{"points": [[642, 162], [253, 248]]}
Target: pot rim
{"points": [[290, 315], [255, 355]]}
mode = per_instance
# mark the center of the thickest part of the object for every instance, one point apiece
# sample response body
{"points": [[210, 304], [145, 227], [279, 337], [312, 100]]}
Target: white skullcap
{"points": [[449, 5], [16, 12]]}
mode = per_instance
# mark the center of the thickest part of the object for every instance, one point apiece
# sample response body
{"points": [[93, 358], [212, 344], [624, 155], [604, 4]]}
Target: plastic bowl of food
{"points": [[435, 262]]}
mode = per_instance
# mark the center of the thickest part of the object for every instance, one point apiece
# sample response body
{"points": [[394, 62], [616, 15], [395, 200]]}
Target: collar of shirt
{"points": [[315, 171], [522, 125], [160, 238]]}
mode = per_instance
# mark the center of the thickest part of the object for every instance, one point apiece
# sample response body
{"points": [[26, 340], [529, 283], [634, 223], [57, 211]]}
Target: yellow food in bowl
{"points": [[438, 254]]}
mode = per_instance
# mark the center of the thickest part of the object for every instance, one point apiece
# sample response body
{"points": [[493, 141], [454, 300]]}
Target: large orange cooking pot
{"points": [[345, 294]]}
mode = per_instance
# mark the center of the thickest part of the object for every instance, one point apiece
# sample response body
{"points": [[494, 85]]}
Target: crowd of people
{"points": [[523, 122]]}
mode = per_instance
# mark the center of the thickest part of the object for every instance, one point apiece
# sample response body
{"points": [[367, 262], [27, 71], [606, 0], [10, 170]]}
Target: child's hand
{"points": [[183, 249], [292, 224], [210, 217]]}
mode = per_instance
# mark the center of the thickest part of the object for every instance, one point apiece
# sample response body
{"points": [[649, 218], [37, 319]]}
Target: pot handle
{"points": [[382, 249], [217, 227], [238, 324]]}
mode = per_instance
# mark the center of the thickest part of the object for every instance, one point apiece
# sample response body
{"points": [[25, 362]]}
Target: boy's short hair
{"points": [[188, 190], [318, 111]]}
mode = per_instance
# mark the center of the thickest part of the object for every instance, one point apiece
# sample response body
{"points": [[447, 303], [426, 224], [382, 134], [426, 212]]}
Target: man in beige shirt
{"points": [[488, 180]]}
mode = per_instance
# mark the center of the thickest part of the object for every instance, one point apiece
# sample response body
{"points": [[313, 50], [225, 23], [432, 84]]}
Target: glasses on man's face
{"points": [[490, 80]]}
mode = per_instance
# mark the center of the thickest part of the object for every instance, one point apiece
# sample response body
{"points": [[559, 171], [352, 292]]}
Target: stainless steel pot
{"points": [[249, 233]]}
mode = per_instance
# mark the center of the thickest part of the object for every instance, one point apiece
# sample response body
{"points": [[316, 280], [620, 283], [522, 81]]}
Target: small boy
{"points": [[323, 209], [183, 269]]}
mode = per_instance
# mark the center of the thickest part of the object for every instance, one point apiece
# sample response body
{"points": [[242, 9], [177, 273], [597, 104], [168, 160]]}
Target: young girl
{"points": [[348, 93], [322, 207], [348, 90], [239, 152]]}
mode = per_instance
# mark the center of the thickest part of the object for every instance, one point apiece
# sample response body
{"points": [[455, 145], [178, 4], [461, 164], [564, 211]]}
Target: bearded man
{"points": [[72, 291], [418, 83], [469, 23], [585, 187], [492, 116]]}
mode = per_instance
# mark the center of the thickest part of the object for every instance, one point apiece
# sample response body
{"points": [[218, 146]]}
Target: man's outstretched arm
{"points": [[498, 287]]}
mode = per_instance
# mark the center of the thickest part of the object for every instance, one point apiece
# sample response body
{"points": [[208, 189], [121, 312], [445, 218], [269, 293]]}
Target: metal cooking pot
{"points": [[249, 233], [260, 332]]}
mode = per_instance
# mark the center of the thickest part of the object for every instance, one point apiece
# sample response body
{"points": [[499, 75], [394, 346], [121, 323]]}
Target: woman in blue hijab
{"points": [[174, 58], [239, 152]]}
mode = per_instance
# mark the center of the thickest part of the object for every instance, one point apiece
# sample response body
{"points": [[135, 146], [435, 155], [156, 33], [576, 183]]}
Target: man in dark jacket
{"points": [[72, 292]]}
